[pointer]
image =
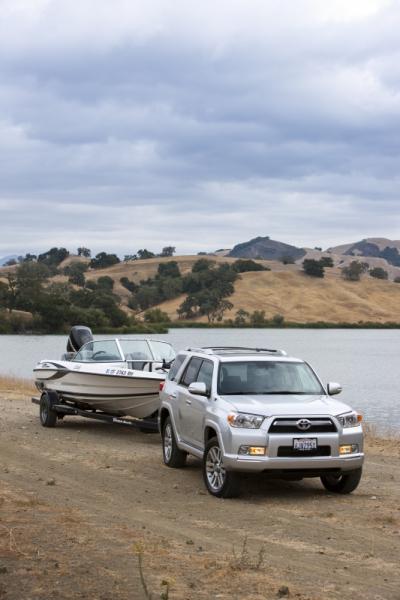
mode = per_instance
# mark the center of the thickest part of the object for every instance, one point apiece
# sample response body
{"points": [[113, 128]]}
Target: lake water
{"points": [[365, 362]]}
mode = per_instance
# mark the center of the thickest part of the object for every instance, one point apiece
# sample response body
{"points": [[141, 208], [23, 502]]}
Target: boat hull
{"points": [[117, 390]]}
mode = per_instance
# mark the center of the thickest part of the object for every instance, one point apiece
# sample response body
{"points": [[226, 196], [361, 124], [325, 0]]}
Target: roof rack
{"points": [[236, 350]]}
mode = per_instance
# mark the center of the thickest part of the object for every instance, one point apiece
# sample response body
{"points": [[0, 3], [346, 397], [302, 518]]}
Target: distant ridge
{"points": [[265, 248], [372, 247], [7, 258]]}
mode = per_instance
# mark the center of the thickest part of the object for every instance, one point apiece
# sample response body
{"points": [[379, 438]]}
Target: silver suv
{"points": [[257, 410]]}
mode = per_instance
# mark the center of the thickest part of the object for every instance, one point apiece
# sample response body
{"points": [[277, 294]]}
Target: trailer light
{"points": [[348, 449], [252, 450], [162, 383]]}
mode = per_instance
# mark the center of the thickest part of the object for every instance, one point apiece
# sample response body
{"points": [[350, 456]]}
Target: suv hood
{"points": [[287, 404]]}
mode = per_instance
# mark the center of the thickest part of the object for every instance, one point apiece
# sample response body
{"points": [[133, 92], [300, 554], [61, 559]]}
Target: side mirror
{"points": [[334, 388], [198, 388]]}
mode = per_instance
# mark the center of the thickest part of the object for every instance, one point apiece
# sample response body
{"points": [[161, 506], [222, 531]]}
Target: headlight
{"points": [[246, 421], [350, 419]]}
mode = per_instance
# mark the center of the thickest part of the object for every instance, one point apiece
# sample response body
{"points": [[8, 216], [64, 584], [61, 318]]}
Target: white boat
{"points": [[116, 376]]}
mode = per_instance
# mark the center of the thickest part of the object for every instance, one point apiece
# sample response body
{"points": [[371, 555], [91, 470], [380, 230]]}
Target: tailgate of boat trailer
{"points": [[147, 425]]}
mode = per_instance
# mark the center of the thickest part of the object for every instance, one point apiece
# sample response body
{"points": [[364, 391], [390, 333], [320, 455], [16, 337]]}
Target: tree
{"points": [[106, 302], [130, 257], [105, 283], [144, 254], [208, 287], [241, 317], [156, 315], [257, 318], [278, 320], [4, 295], [29, 258], [103, 260], [53, 257], [28, 287], [168, 251], [287, 259], [10, 263], [168, 269], [354, 270], [379, 273], [327, 261], [313, 267], [129, 285], [245, 265], [396, 279], [82, 251], [75, 272], [203, 264]]}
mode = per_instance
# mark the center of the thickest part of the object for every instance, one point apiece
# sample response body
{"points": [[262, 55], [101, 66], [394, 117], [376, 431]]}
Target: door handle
{"points": [[188, 401], [172, 395]]}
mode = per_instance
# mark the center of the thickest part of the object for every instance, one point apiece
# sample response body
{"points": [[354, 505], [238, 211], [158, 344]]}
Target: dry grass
{"points": [[16, 388]]}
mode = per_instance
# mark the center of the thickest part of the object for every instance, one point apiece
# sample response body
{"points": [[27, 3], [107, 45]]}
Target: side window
{"points": [[191, 371], [176, 365], [205, 374]]}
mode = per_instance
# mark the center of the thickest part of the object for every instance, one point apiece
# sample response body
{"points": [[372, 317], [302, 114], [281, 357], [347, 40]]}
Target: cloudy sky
{"points": [[130, 124]]}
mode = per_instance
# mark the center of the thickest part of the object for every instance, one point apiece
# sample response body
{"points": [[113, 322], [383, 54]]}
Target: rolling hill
{"points": [[283, 289]]}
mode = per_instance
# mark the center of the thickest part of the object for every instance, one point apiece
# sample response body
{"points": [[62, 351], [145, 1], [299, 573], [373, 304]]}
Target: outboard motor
{"points": [[78, 336]]}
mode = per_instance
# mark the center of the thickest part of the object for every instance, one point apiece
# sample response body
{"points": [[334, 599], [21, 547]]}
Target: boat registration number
{"points": [[305, 444]]}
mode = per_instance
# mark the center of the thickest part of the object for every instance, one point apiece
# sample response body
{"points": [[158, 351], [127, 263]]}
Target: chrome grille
{"points": [[290, 425]]}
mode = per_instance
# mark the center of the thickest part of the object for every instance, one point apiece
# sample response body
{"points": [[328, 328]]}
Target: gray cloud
{"points": [[199, 126]]}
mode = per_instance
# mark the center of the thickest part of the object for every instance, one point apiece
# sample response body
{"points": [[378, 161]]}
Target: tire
{"points": [[218, 481], [172, 455], [345, 483], [48, 416]]}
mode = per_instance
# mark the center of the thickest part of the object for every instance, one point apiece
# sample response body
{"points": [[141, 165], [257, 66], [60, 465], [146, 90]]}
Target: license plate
{"points": [[305, 444]]}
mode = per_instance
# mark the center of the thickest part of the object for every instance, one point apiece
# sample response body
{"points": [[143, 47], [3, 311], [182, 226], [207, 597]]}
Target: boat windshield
{"points": [[267, 377], [136, 349], [99, 351], [162, 351]]}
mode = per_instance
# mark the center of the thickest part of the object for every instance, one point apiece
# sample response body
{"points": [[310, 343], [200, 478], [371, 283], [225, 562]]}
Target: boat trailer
{"points": [[52, 409]]}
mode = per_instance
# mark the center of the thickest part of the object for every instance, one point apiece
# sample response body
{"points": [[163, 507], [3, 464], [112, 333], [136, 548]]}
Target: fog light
{"points": [[348, 449], [252, 450]]}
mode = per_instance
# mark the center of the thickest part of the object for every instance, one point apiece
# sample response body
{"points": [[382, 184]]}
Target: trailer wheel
{"points": [[48, 416]]}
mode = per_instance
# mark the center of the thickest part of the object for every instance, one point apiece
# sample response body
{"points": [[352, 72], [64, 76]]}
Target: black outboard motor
{"points": [[78, 336]]}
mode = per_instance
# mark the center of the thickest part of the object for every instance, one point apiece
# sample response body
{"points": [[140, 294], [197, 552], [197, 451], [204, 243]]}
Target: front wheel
{"points": [[48, 416], [173, 456], [345, 483], [219, 482]]}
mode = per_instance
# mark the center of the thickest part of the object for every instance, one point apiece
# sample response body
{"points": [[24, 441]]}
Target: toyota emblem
{"points": [[303, 424]]}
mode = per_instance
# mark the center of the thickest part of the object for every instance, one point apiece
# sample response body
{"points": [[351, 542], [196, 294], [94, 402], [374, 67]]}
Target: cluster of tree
{"points": [[56, 306], [143, 253], [354, 270], [53, 257], [379, 273], [316, 268], [207, 287], [167, 284], [257, 318], [244, 265]]}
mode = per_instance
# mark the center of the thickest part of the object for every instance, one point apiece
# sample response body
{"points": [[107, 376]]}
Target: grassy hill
{"points": [[307, 299], [284, 290]]}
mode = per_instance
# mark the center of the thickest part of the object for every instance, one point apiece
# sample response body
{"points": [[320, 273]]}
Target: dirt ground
{"points": [[82, 504]]}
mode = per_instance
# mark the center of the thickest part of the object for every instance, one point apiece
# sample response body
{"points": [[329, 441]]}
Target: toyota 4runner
{"points": [[257, 410]]}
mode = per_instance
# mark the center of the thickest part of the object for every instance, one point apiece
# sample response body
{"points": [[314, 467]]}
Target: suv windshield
{"points": [[268, 377]]}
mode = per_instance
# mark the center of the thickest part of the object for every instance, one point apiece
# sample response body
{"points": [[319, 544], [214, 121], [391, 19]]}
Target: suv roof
{"points": [[238, 352]]}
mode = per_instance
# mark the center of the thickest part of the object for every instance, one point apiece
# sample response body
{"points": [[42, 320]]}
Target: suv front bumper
{"points": [[307, 462]]}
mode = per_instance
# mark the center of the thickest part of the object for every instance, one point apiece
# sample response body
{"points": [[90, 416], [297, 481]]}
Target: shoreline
{"points": [[164, 328]]}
